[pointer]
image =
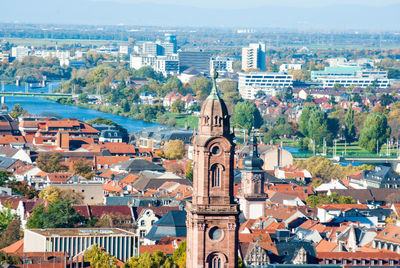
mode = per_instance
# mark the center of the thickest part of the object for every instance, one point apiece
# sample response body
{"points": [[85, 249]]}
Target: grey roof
{"points": [[118, 200], [6, 162], [8, 151], [280, 197], [135, 165], [152, 182], [287, 251], [381, 174], [171, 224], [111, 134], [164, 134], [365, 196]]}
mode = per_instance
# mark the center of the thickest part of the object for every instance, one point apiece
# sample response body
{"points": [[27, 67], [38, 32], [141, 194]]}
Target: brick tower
{"points": [[212, 219], [252, 197]]}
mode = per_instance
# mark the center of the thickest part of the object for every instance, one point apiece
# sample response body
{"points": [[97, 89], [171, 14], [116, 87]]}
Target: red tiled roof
{"points": [[16, 248], [381, 255]]}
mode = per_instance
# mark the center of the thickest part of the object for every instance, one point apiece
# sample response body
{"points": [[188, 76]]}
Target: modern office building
{"points": [[117, 242], [269, 83], [167, 65], [137, 62], [151, 49], [199, 60], [351, 76], [221, 64], [253, 57]]}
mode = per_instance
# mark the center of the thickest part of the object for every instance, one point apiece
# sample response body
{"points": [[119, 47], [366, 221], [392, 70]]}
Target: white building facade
{"points": [[269, 83]]}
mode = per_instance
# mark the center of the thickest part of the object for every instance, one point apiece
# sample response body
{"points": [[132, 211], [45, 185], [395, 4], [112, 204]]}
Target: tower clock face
{"points": [[215, 233]]}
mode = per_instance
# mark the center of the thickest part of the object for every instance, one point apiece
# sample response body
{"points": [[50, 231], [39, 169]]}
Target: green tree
{"points": [[83, 98], [98, 258], [6, 216], [178, 106], [17, 111], [125, 106], [386, 99], [356, 98], [201, 87], [247, 115], [323, 199], [53, 194], [59, 214], [179, 256], [288, 94], [50, 162], [189, 172], [147, 260], [315, 124], [374, 133], [175, 149], [11, 234], [230, 91], [82, 167], [108, 122], [349, 128]]}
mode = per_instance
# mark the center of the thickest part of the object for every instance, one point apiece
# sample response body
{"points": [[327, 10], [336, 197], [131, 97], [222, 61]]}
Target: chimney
{"points": [[62, 140]]}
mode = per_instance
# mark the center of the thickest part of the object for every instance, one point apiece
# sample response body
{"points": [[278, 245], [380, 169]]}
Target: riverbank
{"points": [[42, 106], [172, 119]]}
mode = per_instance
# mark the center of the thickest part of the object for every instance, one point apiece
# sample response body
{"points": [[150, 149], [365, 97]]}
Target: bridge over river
{"points": [[36, 94]]}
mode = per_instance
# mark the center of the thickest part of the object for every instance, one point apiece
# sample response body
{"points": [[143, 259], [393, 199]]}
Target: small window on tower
{"points": [[216, 172]]}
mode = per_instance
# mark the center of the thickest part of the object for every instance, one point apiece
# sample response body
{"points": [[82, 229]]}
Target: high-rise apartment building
{"points": [[253, 57]]}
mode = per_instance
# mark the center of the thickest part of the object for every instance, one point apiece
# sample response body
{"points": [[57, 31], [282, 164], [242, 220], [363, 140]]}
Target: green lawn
{"points": [[342, 149], [183, 119]]}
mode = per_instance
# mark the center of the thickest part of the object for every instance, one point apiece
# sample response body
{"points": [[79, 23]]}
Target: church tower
{"points": [[252, 197], [212, 219]]}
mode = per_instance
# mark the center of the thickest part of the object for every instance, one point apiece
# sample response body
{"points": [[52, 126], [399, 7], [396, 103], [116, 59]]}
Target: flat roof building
{"points": [[198, 60], [269, 83], [117, 242]]}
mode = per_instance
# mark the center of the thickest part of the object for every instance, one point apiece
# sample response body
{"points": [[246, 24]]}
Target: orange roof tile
{"points": [[16, 248]]}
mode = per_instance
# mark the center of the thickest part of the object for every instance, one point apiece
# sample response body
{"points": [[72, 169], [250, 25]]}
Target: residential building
{"points": [[253, 57], [171, 224], [284, 68], [221, 64], [19, 52], [268, 83], [91, 191], [117, 242], [199, 60], [157, 137]]}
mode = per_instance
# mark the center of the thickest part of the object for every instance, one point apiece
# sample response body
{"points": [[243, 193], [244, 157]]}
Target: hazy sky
{"points": [[295, 14]]}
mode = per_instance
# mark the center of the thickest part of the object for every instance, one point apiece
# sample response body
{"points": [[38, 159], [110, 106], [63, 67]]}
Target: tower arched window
{"points": [[216, 262], [216, 175]]}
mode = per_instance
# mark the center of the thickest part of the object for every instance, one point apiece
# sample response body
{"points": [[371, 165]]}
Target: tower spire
{"points": [[214, 92]]}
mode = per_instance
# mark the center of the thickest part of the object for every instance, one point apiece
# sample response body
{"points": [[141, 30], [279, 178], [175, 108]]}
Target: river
{"points": [[41, 106]]}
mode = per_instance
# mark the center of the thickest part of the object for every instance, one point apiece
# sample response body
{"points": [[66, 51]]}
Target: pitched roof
{"points": [[390, 233], [15, 248]]}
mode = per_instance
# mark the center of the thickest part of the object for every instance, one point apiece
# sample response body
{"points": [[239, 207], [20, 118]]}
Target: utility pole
{"points": [[377, 146], [2, 86]]}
